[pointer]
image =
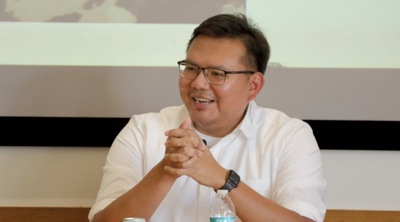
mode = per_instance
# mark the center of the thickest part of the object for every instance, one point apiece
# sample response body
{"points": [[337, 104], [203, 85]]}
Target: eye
{"points": [[217, 73], [191, 68]]}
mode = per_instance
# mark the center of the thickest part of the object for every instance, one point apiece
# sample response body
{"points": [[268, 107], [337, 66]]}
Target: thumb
{"points": [[186, 124]]}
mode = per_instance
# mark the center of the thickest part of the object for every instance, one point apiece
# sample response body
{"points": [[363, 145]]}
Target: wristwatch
{"points": [[232, 181]]}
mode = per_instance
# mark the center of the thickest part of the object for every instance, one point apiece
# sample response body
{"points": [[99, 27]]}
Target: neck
{"points": [[220, 130]]}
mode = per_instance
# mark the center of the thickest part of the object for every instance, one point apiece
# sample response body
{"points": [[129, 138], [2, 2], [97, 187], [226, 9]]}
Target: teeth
{"points": [[201, 100]]}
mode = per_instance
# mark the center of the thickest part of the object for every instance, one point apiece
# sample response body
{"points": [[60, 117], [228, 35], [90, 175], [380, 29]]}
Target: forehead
{"points": [[207, 51]]}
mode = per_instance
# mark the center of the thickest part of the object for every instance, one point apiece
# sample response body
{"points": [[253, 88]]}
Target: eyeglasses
{"points": [[213, 76]]}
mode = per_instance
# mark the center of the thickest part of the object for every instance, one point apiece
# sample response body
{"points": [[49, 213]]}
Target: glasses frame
{"points": [[204, 72]]}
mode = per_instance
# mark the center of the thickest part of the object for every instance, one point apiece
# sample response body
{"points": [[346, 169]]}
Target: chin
{"points": [[203, 122]]}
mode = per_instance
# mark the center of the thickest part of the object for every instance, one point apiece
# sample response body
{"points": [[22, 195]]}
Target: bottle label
{"points": [[222, 219]]}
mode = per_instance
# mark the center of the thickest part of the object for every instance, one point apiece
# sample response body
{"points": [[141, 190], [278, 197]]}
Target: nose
{"points": [[200, 82]]}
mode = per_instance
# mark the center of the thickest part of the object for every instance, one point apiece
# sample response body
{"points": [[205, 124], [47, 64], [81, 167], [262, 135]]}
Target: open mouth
{"points": [[202, 100]]}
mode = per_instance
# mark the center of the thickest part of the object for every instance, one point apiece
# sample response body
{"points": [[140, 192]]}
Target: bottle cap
{"points": [[134, 219], [222, 192]]}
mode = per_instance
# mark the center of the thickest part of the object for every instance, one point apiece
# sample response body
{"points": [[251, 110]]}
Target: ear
{"points": [[256, 83]]}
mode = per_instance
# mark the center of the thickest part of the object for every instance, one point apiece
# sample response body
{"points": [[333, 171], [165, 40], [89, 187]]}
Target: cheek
{"points": [[183, 84], [231, 96], [184, 90], [225, 98], [228, 92]]}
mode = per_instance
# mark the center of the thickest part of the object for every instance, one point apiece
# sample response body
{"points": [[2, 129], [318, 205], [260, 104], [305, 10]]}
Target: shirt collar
{"points": [[246, 126]]}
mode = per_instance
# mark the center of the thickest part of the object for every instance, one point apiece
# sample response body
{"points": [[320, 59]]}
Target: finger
{"points": [[184, 146], [175, 171], [179, 132], [188, 164], [186, 124], [176, 157], [188, 151], [201, 145], [187, 135], [171, 149], [179, 142]]}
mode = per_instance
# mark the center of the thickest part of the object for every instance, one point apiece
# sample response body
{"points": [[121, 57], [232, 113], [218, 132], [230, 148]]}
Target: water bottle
{"points": [[133, 219], [222, 209]]}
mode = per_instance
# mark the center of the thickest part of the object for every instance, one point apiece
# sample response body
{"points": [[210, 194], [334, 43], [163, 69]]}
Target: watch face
{"points": [[234, 178]]}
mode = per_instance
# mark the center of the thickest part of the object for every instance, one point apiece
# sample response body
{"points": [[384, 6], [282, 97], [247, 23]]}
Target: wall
{"points": [[70, 177], [48, 176], [86, 91], [362, 180]]}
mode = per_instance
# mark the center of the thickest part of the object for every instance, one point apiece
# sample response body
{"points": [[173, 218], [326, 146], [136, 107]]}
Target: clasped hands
{"points": [[186, 154]]}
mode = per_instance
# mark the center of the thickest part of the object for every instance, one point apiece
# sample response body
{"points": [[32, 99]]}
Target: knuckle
{"points": [[186, 142], [185, 149], [183, 165], [169, 143], [173, 157], [191, 136], [173, 172], [181, 158]]}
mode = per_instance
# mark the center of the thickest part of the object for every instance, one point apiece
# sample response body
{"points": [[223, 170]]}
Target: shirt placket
{"points": [[203, 211]]}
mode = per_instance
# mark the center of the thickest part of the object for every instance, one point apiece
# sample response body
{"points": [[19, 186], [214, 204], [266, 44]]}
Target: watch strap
{"points": [[232, 181]]}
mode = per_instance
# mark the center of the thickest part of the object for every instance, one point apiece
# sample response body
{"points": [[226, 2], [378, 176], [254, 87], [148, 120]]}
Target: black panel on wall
{"points": [[59, 131], [356, 135], [101, 132]]}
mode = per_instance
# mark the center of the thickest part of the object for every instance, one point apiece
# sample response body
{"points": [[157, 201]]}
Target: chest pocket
{"points": [[261, 186]]}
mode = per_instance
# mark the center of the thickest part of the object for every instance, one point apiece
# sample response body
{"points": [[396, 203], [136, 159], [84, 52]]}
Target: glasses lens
{"points": [[215, 76], [188, 71]]}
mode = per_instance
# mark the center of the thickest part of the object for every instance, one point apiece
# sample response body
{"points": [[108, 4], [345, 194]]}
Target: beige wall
{"points": [[340, 94], [70, 177], [50, 176], [362, 180]]}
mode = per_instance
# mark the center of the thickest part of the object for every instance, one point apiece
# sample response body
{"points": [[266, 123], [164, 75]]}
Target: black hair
{"points": [[238, 26]]}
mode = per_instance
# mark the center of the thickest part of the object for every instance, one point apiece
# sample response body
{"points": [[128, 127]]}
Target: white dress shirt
{"points": [[275, 155]]}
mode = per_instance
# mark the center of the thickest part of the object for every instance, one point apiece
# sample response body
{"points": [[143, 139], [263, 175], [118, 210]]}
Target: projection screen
{"points": [[330, 60]]}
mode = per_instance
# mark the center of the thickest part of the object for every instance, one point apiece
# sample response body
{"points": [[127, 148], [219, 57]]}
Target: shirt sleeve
{"points": [[300, 185], [123, 168]]}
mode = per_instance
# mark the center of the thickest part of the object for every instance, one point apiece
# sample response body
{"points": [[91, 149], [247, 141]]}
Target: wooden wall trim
{"points": [[361, 216], [58, 214], [43, 214]]}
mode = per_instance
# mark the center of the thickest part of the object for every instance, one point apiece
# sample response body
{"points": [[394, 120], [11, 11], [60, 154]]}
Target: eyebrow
{"points": [[210, 67], [190, 62]]}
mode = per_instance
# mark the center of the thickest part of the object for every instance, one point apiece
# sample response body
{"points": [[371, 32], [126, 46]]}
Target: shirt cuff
{"points": [[306, 210], [98, 207]]}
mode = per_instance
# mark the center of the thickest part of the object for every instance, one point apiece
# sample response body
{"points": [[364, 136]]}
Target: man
{"points": [[160, 169]]}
